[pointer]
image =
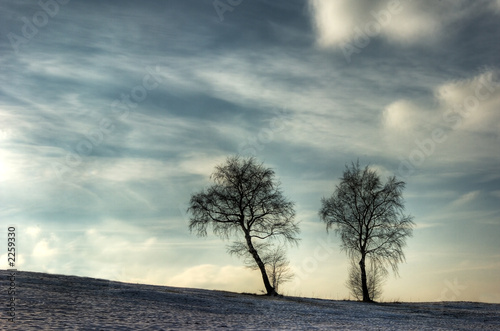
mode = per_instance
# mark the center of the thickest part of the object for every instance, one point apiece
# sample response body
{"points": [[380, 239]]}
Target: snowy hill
{"points": [[56, 302]]}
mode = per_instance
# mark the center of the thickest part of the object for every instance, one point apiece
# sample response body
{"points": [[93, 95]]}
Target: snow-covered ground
{"points": [[56, 302]]}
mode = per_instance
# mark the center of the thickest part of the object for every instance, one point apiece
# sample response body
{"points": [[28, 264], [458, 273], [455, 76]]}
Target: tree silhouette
{"points": [[274, 259], [368, 216], [375, 278], [246, 202], [278, 267]]}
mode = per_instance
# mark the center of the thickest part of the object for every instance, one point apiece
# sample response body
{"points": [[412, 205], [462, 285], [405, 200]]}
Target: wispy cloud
{"points": [[465, 199], [402, 22]]}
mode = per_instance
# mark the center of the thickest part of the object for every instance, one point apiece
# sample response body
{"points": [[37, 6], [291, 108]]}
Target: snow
{"points": [[56, 302]]}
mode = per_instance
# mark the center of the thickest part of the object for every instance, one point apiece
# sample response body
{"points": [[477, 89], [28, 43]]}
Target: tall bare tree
{"points": [[369, 218], [245, 201]]}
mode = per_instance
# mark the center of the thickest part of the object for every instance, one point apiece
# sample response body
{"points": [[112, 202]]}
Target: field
{"points": [[57, 302]]}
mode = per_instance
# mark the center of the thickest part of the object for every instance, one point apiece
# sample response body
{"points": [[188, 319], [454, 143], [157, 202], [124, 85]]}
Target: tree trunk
{"points": [[364, 283], [269, 289]]}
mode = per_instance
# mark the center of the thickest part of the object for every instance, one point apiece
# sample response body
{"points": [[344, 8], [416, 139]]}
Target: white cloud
{"points": [[402, 115], [19, 263], [338, 22], [111, 249], [472, 104], [201, 164], [12, 166], [227, 277], [334, 21], [381, 170], [33, 231], [496, 5], [465, 198], [404, 122], [463, 115], [415, 23], [125, 170], [43, 249]]}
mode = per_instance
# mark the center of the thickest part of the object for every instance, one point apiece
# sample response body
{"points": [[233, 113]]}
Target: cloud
{"points": [[413, 23], [33, 231], [43, 249], [402, 115], [201, 164], [472, 104], [118, 250], [496, 5], [129, 169], [421, 225], [210, 276], [4, 261], [463, 114], [404, 122], [407, 22], [466, 198]]}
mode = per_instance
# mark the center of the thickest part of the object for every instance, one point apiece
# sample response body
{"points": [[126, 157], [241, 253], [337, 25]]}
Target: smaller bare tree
{"points": [[274, 258], [278, 267], [375, 279]]}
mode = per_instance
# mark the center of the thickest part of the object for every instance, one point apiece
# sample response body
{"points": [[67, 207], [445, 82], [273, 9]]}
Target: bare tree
{"points": [[368, 216], [274, 259], [245, 201], [375, 279], [278, 267]]}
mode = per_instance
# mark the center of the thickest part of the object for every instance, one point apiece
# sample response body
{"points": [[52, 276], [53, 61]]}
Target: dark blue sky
{"points": [[113, 113]]}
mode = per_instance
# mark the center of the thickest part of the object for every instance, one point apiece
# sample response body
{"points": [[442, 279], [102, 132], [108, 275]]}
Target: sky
{"points": [[113, 113]]}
